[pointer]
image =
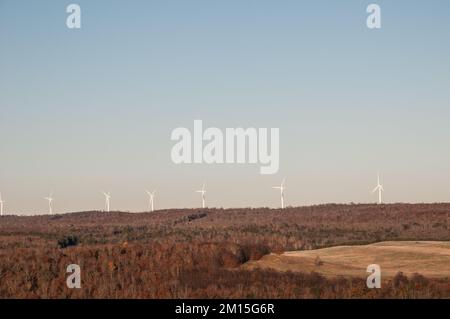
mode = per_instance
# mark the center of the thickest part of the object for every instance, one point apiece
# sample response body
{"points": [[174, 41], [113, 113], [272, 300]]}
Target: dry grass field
{"points": [[200, 253], [430, 259]]}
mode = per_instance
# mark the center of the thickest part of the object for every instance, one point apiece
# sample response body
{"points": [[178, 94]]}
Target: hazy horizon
{"points": [[82, 111], [156, 211]]}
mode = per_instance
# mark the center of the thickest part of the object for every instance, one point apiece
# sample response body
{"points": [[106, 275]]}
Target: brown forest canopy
{"points": [[197, 252]]}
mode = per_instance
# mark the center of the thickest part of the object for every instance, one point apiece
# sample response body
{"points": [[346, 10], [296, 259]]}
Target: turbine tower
{"points": [[50, 200], [150, 200], [1, 205], [281, 188], [202, 191], [107, 197], [379, 188]]}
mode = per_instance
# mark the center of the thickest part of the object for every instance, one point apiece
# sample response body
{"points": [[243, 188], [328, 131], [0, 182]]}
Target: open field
{"points": [[430, 259], [201, 253]]}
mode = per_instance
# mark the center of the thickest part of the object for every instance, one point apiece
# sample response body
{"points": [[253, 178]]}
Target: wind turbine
{"points": [[150, 201], [1, 205], [202, 191], [107, 197], [50, 200], [281, 188], [379, 188]]}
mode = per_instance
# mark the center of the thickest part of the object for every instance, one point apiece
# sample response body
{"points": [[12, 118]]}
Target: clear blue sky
{"points": [[92, 109]]}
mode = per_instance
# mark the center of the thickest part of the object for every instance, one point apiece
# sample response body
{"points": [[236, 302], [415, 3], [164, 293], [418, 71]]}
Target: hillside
{"points": [[430, 259], [199, 253]]}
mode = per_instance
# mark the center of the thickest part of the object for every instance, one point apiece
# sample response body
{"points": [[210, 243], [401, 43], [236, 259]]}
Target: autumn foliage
{"points": [[198, 253]]}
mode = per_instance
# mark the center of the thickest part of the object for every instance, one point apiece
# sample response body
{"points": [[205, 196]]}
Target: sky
{"points": [[92, 109]]}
